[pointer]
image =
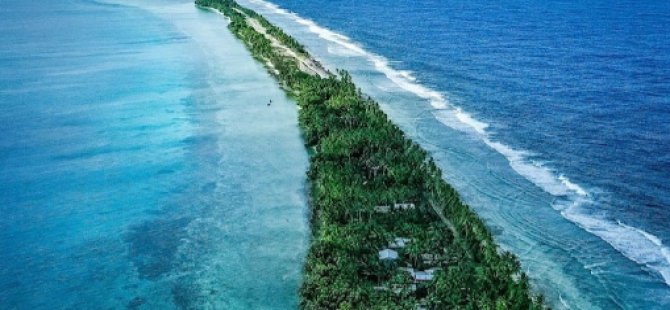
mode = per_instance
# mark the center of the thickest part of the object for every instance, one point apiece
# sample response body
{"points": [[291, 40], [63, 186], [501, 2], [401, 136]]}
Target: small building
{"points": [[388, 255], [404, 206], [383, 209], [422, 276], [399, 242]]}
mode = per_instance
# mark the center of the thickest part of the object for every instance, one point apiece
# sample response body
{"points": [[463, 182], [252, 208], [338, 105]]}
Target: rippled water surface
{"points": [[140, 166], [551, 118]]}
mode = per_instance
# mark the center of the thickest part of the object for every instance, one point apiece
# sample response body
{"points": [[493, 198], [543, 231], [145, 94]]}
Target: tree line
{"points": [[359, 161]]}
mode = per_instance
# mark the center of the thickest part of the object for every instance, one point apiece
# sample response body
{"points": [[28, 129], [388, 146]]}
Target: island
{"points": [[388, 232]]}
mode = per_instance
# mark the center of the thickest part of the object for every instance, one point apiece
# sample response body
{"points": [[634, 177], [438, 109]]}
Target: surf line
{"points": [[378, 200], [572, 197]]}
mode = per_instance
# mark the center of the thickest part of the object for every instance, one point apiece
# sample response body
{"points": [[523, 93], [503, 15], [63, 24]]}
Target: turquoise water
{"points": [[140, 166], [550, 118]]}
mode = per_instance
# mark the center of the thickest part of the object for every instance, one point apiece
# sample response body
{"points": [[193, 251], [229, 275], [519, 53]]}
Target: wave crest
{"points": [[636, 244]]}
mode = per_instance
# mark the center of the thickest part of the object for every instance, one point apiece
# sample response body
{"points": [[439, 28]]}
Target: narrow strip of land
{"points": [[305, 63], [388, 231]]}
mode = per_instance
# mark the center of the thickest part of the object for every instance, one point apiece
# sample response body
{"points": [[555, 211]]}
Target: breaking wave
{"points": [[634, 243]]}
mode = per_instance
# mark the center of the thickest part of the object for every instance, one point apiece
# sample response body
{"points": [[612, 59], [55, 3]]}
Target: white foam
{"points": [[478, 126], [341, 51], [563, 302], [636, 244], [407, 74], [533, 171], [404, 79], [572, 186], [595, 265], [400, 78], [666, 253], [545, 178], [655, 240], [633, 243]]}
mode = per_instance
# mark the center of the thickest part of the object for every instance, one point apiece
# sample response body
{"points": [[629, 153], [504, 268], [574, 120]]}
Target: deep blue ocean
{"points": [[551, 118], [140, 167]]}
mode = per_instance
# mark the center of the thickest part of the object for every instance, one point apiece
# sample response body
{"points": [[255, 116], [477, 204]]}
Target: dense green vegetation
{"points": [[361, 163]]}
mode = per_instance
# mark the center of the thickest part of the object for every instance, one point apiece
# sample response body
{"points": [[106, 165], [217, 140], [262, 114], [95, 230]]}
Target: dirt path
{"points": [[305, 64]]}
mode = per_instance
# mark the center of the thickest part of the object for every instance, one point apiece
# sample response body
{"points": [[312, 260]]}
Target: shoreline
{"points": [[365, 175], [521, 208]]}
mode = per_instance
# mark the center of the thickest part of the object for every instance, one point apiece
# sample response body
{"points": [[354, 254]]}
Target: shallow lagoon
{"points": [[140, 165]]}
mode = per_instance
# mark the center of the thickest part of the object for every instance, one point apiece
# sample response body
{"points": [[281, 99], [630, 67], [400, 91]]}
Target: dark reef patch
{"points": [[153, 245]]}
